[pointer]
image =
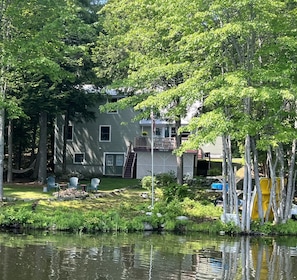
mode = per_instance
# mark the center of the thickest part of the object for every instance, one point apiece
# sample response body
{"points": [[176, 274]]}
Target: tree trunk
{"points": [[248, 197], [257, 179], [42, 167], [179, 159], [224, 174], [33, 142], [272, 168], [232, 182], [10, 154], [4, 36], [280, 193], [247, 182], [66, 123], [290, 184], [2, 118]]}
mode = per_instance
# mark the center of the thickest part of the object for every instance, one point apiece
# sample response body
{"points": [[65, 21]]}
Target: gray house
{"points": [[114, 145]]}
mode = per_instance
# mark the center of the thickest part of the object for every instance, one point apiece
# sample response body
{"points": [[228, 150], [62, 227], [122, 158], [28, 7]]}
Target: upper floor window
{"points": [[69, 132], [158, 131], [113, 100], [173, 132], [105, 133]]}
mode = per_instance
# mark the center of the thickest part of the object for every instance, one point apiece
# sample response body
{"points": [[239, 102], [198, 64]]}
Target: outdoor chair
{"points": [[93, 186], [73, 183], [51, 184]]}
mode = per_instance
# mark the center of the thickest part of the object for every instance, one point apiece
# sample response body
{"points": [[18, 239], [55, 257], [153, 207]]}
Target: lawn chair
{"points": [[93, 186], [51, 184], [73, 183]]}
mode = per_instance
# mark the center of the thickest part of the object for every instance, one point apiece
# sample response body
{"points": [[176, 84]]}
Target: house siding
{"points": [[86, 140], [106, 157], [164, 162]]}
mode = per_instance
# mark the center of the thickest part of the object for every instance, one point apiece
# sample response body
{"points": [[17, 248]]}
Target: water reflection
{"points": [[138, 256]]}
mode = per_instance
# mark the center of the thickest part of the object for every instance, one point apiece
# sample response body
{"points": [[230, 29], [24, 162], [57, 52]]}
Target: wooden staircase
{"points": [[129, 167]]}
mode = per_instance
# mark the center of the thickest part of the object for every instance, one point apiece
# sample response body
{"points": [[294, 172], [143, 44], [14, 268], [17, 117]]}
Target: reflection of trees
{"points": [[245, 259], [216, 262], [280, 263], [219, 258]]}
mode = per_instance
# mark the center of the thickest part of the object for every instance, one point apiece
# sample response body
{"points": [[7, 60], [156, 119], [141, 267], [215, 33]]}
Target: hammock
{"points": [[21, 171]]}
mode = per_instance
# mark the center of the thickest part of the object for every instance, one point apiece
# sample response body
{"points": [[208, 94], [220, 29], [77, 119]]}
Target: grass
{"points": [[124, 211], [26, 191], [28, 206]]}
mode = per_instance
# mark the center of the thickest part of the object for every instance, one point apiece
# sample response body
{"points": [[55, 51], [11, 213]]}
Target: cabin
{"points": [[115, 145]]}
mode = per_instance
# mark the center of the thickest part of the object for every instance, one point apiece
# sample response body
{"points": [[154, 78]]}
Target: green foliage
{"points": [[160, 180], [78, 216], [214, 172], [17, 216], [173, 209], [199, 210], [207, 51], [266, 228], [146, 183], [230, 228], [175, 191], [288, 228], [165, 184], [212, 227], [165, 179]]}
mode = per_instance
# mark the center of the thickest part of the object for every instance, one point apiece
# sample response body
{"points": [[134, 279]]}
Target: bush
{"points": [[175, 191], [146, 182], [160, 180], [165, 179], [196, 209], [289, 228], [214, 172]]}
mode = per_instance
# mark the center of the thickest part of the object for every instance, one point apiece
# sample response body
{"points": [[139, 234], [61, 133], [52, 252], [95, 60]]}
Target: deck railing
{"points": [[160, 143]]}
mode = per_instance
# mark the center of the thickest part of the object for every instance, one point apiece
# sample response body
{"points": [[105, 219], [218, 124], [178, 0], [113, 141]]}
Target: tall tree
{"points": [[238, 58], [54, 59], [243, 40], [137, 50], [7, 79]]}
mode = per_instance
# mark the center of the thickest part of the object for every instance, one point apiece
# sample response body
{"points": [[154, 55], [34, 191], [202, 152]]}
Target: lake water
{"points": [[39, 256]]}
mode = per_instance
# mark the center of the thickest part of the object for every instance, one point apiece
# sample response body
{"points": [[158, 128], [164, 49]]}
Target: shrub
{"points": [[146, 182], [165, 179], [289, 228], [214, 172], [196, 209], [175, 191]]}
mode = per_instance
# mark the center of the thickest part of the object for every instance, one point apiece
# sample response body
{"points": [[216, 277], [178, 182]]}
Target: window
{"points": [[69, 132], [167, 131], [79, 158], [109, 160], [113, 100], [105, 133], [114, 163], [173, 132], [119, 160], [158, 131]]}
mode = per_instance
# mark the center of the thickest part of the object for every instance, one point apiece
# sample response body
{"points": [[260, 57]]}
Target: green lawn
{"points": [[35, 191]]}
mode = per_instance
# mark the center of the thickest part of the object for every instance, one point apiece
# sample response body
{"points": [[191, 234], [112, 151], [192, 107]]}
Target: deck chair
{"points": [[51, 184], [93, 186], [73, 183]]}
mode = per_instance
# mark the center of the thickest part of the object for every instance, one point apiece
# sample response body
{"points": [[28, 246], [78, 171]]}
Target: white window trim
{"points": [[81, 162], [109, 133]]}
